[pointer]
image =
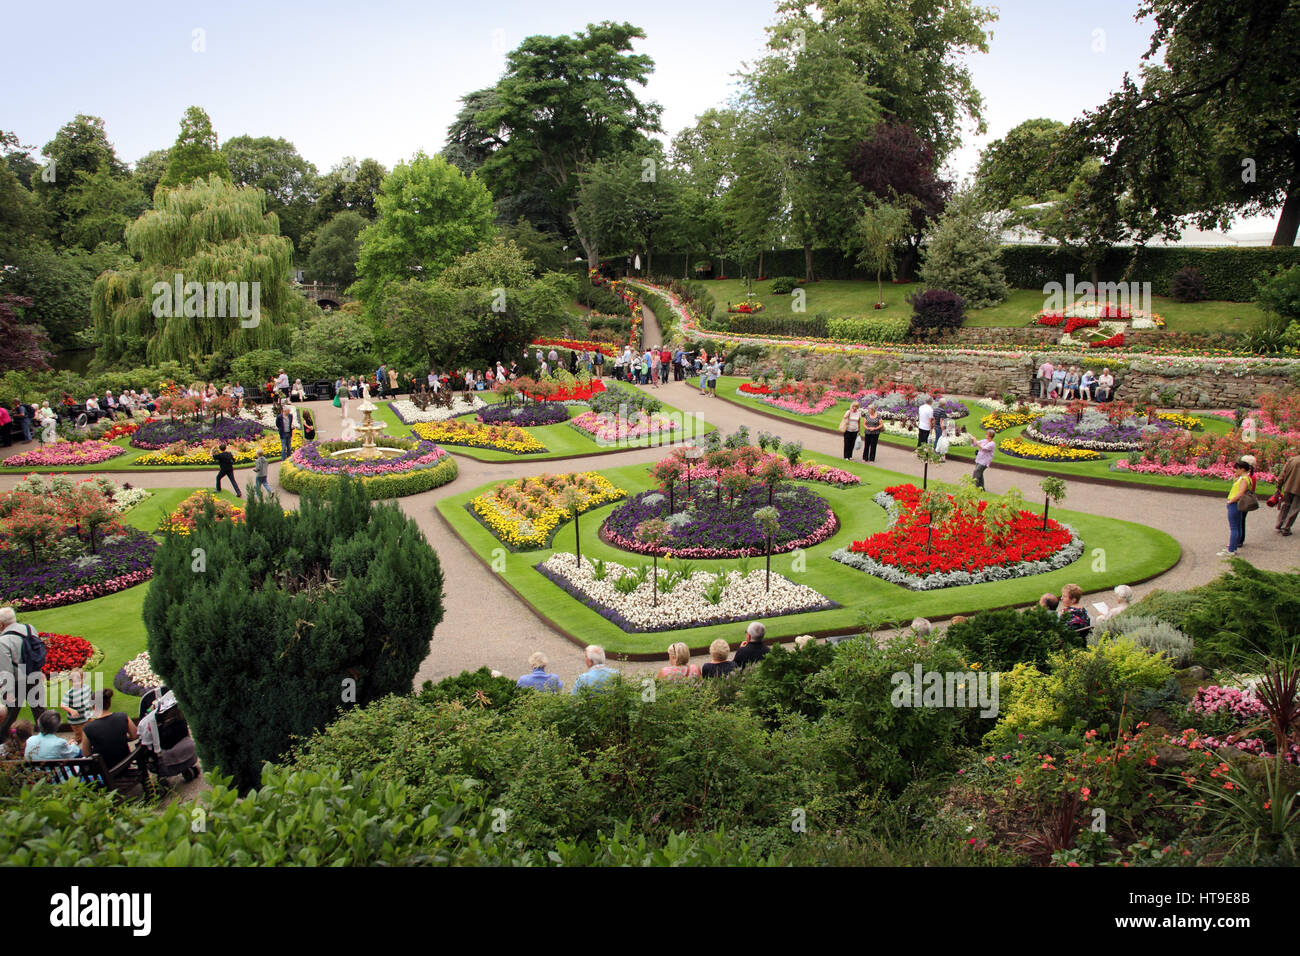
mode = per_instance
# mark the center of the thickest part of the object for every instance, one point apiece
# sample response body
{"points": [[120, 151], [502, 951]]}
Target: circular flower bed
{"points": [[1095, 431], [66, 454], [1035, 451], [421, 466], [161, 432], [121, 561], [137, 676], [476, 435], [964, 548], [181, 521], [65, 652], [524, 416], [715, 525], [900, 405]]}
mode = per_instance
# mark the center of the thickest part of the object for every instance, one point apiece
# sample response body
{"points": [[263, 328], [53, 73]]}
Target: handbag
{"points": [[857, 445], [1247, 502], [337, 402]]}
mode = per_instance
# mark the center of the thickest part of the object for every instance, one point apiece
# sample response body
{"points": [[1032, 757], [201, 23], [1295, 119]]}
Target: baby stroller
{"points": [[165, 736]]}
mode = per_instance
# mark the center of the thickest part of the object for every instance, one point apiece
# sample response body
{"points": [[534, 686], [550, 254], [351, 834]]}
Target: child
{"points": [[259, 471], [16, 747], [77, 702]]}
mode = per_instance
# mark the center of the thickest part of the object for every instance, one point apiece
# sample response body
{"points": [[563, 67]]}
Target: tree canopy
{"points": [[195, 155]]}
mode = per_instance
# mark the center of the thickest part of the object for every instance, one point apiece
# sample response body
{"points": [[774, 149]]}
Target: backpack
{"points": [[33, 647], [1077, 619]]}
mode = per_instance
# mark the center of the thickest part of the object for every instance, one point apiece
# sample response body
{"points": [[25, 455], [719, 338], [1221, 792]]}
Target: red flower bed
{"points": [[120, 430], [576, 394], [1051, 318], [578, 345], [749, 388], [1075, 323], [1114, 342], [63, 652], [1116, 312], [962, 543]]}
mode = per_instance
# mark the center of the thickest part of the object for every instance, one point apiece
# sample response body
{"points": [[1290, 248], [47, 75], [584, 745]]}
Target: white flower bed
{"points": [[1000, 407], [123, 499], [899, 428], [1103, 330], [141, 672], [410, 413], [743, 598]]}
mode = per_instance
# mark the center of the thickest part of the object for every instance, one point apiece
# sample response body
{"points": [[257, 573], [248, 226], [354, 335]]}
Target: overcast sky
{"points": [[383, 78]]}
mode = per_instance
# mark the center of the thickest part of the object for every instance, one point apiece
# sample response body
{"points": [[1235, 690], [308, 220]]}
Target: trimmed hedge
{"points": [[808, 326], [1230, 273], [296, 480], [866, 328]]}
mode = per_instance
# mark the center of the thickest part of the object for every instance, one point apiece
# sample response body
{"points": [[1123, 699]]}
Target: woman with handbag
{"points": [[1240, 500], [850, 426], [1254, 465]]}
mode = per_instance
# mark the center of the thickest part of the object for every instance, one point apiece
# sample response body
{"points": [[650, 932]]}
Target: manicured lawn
{"points": [[1132, 553], [857, 297], [829, 420]]}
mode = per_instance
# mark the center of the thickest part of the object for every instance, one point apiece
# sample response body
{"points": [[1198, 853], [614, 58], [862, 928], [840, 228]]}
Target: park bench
{"points": [[132, 771]]}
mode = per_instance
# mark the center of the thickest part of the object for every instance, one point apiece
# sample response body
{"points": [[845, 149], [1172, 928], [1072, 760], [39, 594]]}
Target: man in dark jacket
{"points": [[226, 469], [284, 425], [753, 649]]}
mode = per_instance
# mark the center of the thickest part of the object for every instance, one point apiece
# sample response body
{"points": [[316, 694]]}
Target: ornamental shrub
{"points": [[1188, 285], [779, 685], [1156, 636], [860, 328], [1243, 612], [1002, 639], [935, 310], [783, 285], [274, 623], [299, 481], [964, 254]]}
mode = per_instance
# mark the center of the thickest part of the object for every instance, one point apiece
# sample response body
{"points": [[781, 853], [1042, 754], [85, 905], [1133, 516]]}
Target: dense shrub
{"points": [[300, 481], [1245, 611], [287, 617], [935, 310], [1156, 636], [599, 299], [472, 688], [1002, 639], [865, 328], [779, 685], [783, 285], [1188, 285], [804, 326]]}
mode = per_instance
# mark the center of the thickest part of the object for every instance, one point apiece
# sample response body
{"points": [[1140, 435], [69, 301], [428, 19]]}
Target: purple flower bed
{"points": [[422, 454], [1130, 435], [524, 416], [616, 618], [64, 581], [163, 432], [724, 529], [904, 411]]}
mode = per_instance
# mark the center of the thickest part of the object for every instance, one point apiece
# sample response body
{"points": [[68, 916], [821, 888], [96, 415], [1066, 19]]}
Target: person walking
{"points": [[226, 468], [851, 427], [1288, 486], [260, 468], [284, 425], [924, 423], [984, 457], [872, 426], [21, 679], [1236, 517]]}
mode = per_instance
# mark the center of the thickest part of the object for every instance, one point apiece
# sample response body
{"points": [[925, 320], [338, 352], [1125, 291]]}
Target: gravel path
{"points": [[486, 624]]}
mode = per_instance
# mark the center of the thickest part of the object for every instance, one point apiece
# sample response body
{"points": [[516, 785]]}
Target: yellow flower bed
{"points": [[181, 521], [242, 452], [1019, 448], [1000, 422], [525, 513], [477, 435], [1182, 421]]}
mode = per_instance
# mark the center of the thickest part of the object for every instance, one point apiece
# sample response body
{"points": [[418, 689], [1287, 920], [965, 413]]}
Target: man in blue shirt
{"points": [[538, 678], [596, 673]]}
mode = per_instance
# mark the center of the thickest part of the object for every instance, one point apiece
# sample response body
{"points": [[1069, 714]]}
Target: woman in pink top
{"points": [[679, 656]]}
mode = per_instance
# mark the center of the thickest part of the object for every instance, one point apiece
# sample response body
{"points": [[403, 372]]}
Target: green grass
{"points": [[829, 420], [858, 296], [1132, 552]]}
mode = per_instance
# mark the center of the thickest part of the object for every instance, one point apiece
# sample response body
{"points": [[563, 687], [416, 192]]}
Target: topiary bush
{"points": [[1002, 639], [935, 310], [868, 329], [265, 628], [1188, 285]]}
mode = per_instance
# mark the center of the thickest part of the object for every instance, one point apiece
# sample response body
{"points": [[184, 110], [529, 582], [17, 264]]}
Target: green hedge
{"points": [[298, 481], [1230, 273], [804, 326], [866, 328]]}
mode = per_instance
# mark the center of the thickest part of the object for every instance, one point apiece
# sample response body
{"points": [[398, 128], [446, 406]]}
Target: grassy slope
{"points": [[1133, 551], [728, 388], [857, 297]]}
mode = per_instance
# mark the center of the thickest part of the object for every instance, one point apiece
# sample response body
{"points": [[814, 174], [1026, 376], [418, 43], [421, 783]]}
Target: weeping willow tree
{"points": [[212, 276]]}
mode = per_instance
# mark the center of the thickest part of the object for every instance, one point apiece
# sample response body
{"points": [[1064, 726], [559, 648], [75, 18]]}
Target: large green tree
{"points": [[207, 232], [963, 254], [630, 203], [1024, 166], [334, 254], [194, 155], [429, 213], [79, 147], [1210, 132], [274, 166], [350, 185], [99, 207], [563, 103]]}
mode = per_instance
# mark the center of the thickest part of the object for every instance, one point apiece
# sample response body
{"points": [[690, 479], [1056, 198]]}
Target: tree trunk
{"points": [[760, 263], [808, 262], [1046, 504], [1289, 222], [577, 542]]}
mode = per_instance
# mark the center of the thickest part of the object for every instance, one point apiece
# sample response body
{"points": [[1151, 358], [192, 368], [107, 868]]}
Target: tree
{"points": [[626, 205], [545, 250], [150, 169], [1053, 491], [337, 248], [429, 213], [274, 166], [22, 217], [195, 156], [1210, 133], [298, 613], [336, 342], [768, 520], [1024, 166], [80, 146], [563, 103], [652, 532], [894, 165], [350, 185], [875, 234], [25, 345], [99, 206], [59, 283], [218, 239], [964, 254]]}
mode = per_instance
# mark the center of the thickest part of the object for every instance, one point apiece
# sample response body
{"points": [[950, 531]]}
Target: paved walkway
{"points": [[486, 624]]}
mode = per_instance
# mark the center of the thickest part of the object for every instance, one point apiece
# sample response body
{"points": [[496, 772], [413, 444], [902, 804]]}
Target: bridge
{"points": [[326, 296]]}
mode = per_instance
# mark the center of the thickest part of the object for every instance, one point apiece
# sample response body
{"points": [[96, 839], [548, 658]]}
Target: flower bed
{"points": [[753, 461], [120, 430], [475, 435], [1221, 469], [964, 549], [746, 308], [714, 525], [1035, 451], [421, 466], [577, 392], [751, 388], [243, 453], [904, 406], [799, 406], [1001, 421], [524, 416], [1114, 342], [181, 520], [161, 432], [523, 514], [690, 599], [137, 676], [617, 429], [65, 652], [1094, 430], [578, 345], [66, 454], [122, 561], [121, 498], [409, 413]]}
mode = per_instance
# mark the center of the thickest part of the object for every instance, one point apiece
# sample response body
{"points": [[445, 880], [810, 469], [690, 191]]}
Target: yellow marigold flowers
{"points": [[1182, 421], [181, 521], [242, 452], [477, 435], [525, 513], [1036, 451], [1002, 421]]}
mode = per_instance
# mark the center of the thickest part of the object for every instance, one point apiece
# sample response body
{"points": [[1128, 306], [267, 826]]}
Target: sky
{"points": [[384, 78]]}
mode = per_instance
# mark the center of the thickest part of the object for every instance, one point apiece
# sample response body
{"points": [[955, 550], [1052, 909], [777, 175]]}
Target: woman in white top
{"points": [[850, 423]]}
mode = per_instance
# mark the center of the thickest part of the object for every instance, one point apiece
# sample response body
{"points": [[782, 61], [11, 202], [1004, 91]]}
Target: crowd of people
{"points": [[1071, 382]]}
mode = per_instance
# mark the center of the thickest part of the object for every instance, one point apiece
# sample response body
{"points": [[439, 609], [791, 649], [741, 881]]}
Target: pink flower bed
{"points": [[798, 407], [66, 454], [1211, 700], [603, 428], [1220, 469], [85, 592], [804, 471]]}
